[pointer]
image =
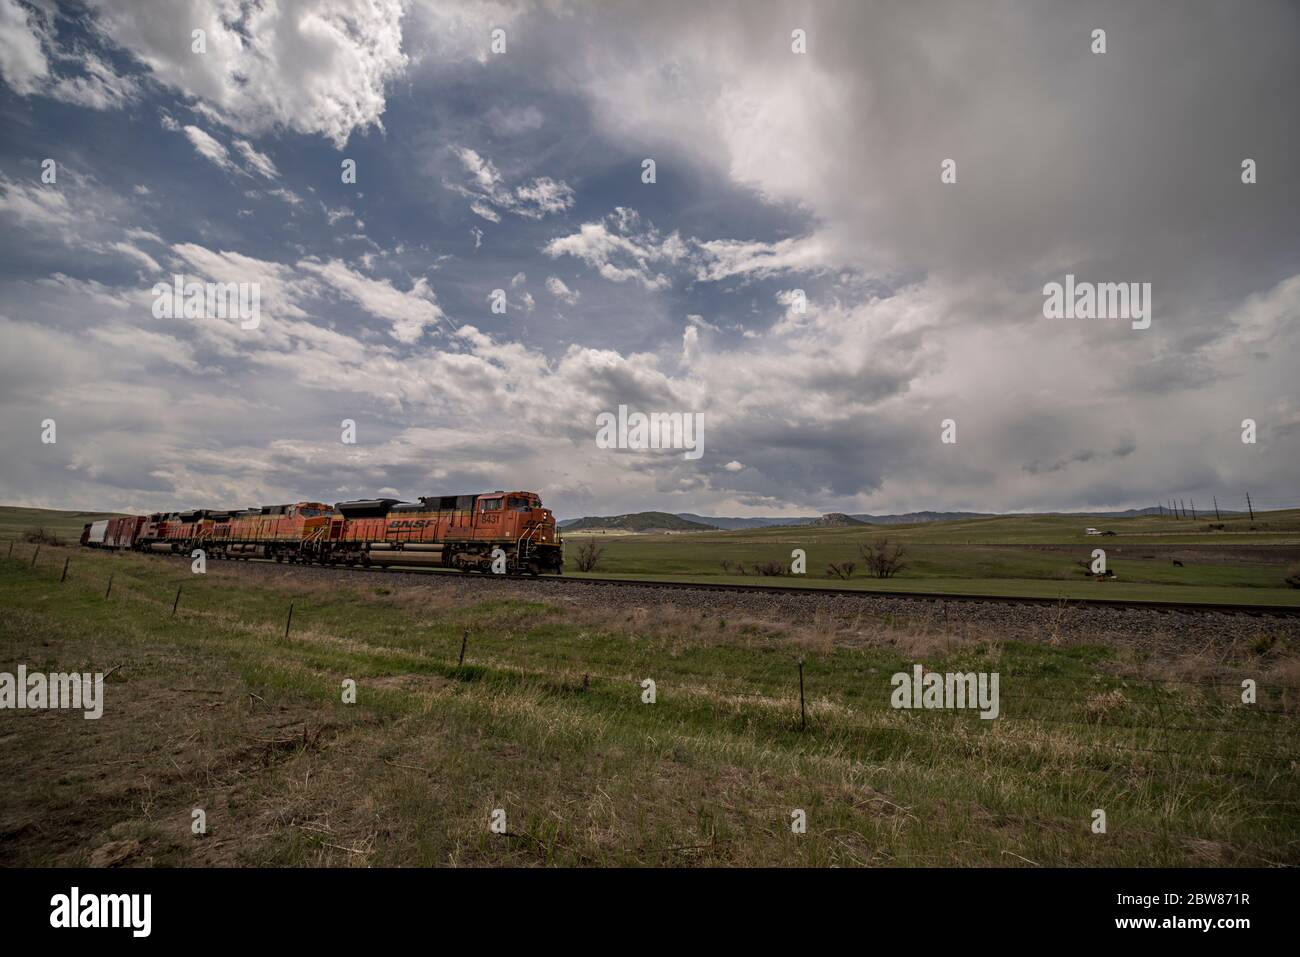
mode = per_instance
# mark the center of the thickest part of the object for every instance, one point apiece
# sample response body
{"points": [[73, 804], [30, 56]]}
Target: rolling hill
{"points": [[637, 522]]}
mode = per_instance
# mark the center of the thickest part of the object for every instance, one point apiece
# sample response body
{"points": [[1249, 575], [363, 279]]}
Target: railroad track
{"points": [[1272, 611]]}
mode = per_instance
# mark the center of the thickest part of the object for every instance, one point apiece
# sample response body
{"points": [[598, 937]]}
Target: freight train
{"points": [[468, 532]]}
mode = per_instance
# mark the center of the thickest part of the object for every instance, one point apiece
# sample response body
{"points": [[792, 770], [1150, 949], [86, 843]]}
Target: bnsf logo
{"points": [[414, 523]]}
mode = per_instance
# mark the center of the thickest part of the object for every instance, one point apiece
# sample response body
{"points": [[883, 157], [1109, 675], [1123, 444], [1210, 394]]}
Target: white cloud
{"points": [[100, 87], [288, 195], [210, 148], [488, 193], [33, 204], [258, 162], [620, 258], [138, 255], [316, 67], [410, 312], [480, 208], [27, 44], [22, 61], [557, 288]]}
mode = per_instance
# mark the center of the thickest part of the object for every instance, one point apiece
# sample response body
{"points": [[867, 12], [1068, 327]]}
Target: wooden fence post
{"points": [[803, 713]]}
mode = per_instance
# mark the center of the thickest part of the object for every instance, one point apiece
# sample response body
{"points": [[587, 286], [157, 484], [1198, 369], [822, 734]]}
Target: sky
{"points": [[854, 212]]}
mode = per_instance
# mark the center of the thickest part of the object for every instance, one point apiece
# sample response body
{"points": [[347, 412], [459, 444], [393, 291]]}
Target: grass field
{"points": [[1032, 556], [14, 522], [214, 709]]}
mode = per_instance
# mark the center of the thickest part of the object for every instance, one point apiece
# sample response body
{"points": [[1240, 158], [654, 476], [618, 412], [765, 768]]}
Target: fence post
{"points": [[803, 713], [288, 621], [463, 642], [64, 576], [109, 590], [34, 554], [177, 601]]}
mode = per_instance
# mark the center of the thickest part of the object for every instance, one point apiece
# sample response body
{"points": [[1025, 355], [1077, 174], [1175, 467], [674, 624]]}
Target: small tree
{"points": [[883, 559], [589, 554], [843, 571]]}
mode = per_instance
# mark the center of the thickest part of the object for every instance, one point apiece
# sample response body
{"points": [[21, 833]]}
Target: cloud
{"points": [[138, 255], [536, 199], [313, 67], [33, 204], [621, 258], [23, 64], [776, 171], [259, 163], [27, 44], [621, 249], [209, 148], [100, 87], [556, 287], [410, 312]]}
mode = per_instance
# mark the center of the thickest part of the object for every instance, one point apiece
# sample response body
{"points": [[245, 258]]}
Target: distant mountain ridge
{"points": [[637, 522], [705, 522]]}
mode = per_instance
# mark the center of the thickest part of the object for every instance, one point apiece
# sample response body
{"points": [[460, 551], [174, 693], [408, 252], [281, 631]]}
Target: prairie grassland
{"points": [[1045, 556], [215, 709]]}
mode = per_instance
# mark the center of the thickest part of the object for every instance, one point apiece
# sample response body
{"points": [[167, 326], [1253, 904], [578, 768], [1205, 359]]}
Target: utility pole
{"points": [[1216, 509], [1250, 508]]}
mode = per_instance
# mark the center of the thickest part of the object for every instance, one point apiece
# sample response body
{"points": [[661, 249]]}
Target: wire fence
{"points": [[1099, 682]]}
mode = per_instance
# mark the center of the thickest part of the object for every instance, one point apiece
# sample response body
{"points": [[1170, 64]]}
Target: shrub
{"points": [[882, 559], [843, 571], [39, 536], [589, 555]]}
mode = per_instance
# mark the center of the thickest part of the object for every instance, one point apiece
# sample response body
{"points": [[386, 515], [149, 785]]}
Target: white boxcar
{"points": [[97, 530]]}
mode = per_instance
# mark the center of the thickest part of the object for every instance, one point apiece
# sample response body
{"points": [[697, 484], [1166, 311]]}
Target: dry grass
{"points": [[214, 709]]}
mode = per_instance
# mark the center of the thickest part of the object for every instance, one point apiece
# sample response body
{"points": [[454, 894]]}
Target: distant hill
{"points": [[908, 518], [905, 518], [637, 522], [836, 520]]}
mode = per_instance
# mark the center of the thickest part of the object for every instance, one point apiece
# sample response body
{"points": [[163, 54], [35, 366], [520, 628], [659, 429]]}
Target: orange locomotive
{"points": [[467, 532]]}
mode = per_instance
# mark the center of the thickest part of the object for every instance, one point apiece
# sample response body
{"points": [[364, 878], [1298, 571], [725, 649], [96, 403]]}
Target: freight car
{"points": [[450, 531]]}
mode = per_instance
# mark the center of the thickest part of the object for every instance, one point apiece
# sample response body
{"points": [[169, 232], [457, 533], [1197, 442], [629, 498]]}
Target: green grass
{"points": [[1029, 556], [66, 524], [586, 772]]}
